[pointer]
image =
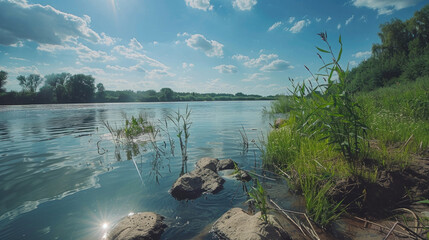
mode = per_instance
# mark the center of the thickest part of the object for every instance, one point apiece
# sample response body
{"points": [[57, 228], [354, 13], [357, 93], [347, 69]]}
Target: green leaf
{"points": [[322, 50], [424, 201], [340, 40]]}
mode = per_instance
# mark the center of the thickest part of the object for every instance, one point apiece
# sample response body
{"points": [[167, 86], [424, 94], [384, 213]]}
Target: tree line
{"points": [[81, 88], [402, 55]]}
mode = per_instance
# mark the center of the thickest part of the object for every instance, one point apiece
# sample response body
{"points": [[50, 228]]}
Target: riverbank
{"points": [[389, 170]]}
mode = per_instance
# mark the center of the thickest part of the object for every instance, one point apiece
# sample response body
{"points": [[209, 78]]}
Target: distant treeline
{"points": [[80, 88], [402, 56]]}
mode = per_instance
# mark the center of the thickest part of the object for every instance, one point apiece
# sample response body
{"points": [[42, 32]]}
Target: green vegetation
{"points": [[353, 124], [182, 123], [259, 197], [402, 56], [80, 88]]}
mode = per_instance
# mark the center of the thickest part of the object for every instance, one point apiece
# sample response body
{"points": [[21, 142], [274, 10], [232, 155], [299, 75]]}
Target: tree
{"points": [[101, 92], [3, 77], [55, 83], [166, 94], [80, 88], [30, 83]]}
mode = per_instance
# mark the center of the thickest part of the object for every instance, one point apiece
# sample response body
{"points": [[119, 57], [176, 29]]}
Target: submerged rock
{"points": [[193, 184], [225, 164], [237, 224], [146, 225]]}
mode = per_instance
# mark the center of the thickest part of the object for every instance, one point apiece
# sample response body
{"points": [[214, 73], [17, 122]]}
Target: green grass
{"points": [[332, 134]]}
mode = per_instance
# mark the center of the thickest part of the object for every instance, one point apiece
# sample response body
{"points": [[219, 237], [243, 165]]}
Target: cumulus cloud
{"points": [[255, 77], [298, 26], [318, 19], [20, 20], [385, 6], [274, 26], [144, 64], [362, 54], [240, 57], [265, 62], [328, 19], [349, 19], [210, 47], [339, 26], [291, 19], [84, 53], [199, 4], [256, 62], [276, 65], [244, 5], [226, 68]]}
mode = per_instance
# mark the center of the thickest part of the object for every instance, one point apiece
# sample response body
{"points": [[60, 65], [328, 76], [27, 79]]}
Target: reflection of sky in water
{"points": [[56, 185]]}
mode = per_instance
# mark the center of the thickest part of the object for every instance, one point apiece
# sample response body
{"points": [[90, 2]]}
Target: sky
{"points": [[221, 46]]}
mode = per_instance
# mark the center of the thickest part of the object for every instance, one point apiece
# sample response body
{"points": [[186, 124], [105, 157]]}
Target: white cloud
{"points": [[83, 52], [339, 26], [362, 54], [155, 43], [385, 6], [151, 67], [291, 19], [240, 57], [274, 26], [276, 65], [244, 5], [159, 73], [210, 47], [226, 68], [255, 77], [353, 63], [350, 19], [43, 24], [256, 62], [318, 19], [184, 34], [187, 66], [363, 18], [298, 26], [199, 4], [134, 44], [18, 59], [134, 68], [328, 19]]}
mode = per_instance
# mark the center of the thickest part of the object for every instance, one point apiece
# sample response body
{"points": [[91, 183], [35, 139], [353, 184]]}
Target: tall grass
{"points": [[332, 134]]}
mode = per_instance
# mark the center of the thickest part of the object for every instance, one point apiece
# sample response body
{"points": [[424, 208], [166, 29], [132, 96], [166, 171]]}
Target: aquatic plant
{"points": [[182, 123], [259, 198]]}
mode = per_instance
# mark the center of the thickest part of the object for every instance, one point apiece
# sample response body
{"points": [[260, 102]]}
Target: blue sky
{"points": [[249, 46]]}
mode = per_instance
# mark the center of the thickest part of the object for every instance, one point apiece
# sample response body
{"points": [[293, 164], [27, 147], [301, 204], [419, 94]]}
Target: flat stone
{"points": [[142, 226], [237, 224]]}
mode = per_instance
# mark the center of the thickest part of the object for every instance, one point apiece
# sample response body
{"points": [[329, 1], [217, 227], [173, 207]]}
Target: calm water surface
{"points": [[55, 184]]}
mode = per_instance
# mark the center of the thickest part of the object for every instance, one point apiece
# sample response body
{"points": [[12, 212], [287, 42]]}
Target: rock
{"points": [[225, 164], [243, 176], [191, 185], [237, 224], [209, 163], [279, 122], [146, 225]]}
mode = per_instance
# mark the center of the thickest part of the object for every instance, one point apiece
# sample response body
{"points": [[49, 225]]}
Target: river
{"points": [[60, 178]]}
